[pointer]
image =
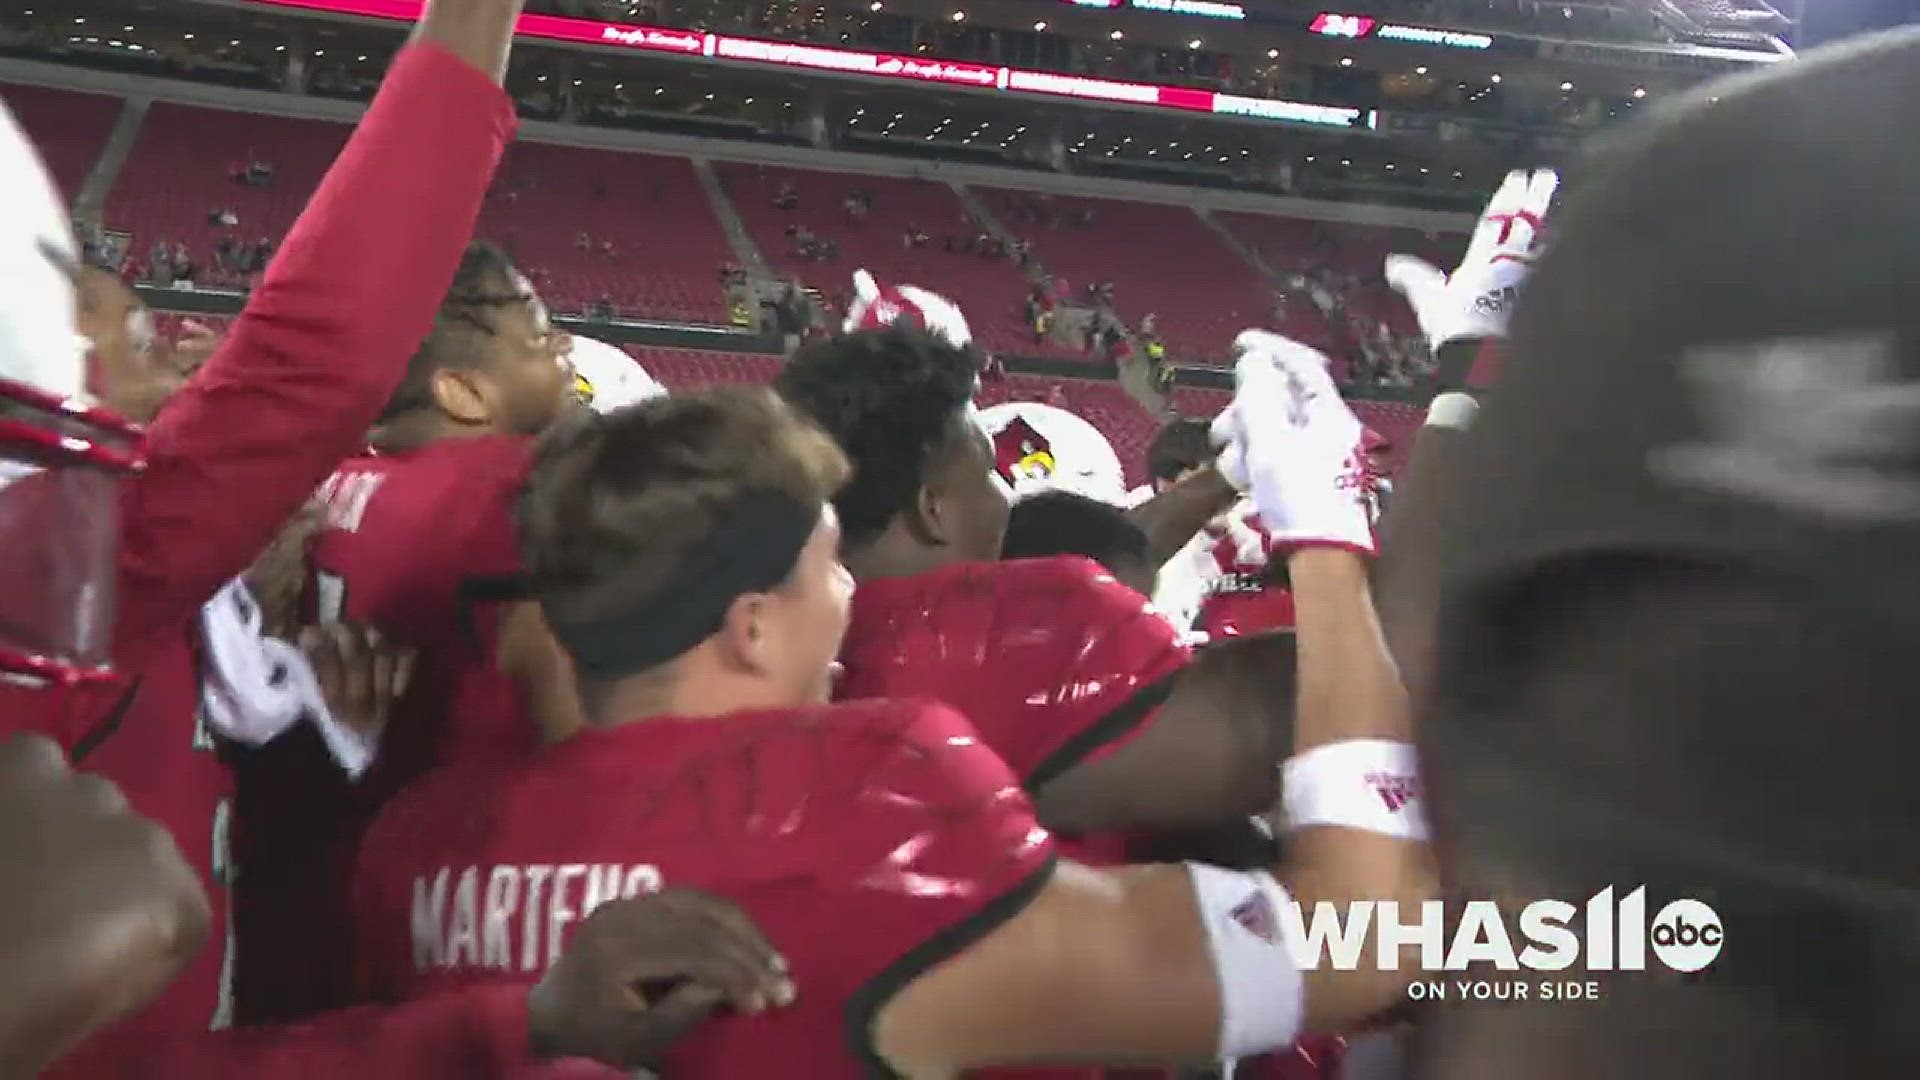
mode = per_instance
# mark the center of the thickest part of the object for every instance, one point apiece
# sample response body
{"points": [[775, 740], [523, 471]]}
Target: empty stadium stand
{"points": [[1160, 259], [69, 127], [667, 242], [989, 290], [184, 166]]}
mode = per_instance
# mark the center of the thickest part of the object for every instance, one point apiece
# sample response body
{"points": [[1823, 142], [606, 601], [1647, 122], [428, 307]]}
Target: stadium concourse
{"points": [[509, 576]]}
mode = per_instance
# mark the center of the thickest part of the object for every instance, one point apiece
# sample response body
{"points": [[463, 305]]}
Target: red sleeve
{"points": [[942, 848], [1123, 659], [472, 1034], [320, 346]]}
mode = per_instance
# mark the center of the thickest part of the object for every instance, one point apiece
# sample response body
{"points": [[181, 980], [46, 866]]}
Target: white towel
{"points": [[256, 687]]}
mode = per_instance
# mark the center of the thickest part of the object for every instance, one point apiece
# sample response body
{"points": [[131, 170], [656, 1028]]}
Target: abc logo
{"points": [[1687, 935]]}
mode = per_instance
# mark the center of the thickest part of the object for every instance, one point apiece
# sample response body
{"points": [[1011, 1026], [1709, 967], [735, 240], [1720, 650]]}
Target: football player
{"points": [[1085, 691], [114, 545], [687, 552], [417, 542]]}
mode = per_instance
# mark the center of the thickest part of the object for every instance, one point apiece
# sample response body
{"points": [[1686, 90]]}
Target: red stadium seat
{"points": [[989, 290], [69, 127]]}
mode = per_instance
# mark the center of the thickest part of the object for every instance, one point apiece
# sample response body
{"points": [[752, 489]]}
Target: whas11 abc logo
{"points": [[1606, 932], [1686, 935]]}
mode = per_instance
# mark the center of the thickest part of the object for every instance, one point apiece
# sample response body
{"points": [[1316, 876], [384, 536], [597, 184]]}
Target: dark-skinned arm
{"points": [[1172, 517]]}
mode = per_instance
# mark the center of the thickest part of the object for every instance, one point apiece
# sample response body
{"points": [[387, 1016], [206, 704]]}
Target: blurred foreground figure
{"points": [[1676, 625]]}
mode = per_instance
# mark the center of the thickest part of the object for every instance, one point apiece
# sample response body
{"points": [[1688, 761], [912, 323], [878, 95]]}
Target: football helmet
{"points": [[876, 305], [1040, 447], [606, 378], [61, 457]]}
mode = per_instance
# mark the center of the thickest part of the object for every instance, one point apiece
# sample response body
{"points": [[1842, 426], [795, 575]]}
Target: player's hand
{"points": [[100, 909], [197, 343], [640, 973], [361, 673], [278, 578], [1299, 443], [1476, 300]]}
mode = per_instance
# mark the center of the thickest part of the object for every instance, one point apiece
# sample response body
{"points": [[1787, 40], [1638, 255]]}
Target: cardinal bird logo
{"points": [[1021, 453], [582, 388]]}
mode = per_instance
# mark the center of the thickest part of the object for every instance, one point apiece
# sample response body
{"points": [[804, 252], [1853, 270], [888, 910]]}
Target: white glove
{"points": [[1476, 301], [876, 305], [1300, 445]]}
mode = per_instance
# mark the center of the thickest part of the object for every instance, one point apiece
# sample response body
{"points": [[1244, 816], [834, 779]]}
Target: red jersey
{"points": [[1054, 661], [870, 842], [289, 394], [416, 544]]}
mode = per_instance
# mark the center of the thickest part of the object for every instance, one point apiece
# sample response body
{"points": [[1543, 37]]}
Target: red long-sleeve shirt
{"points": [[291, 392]]}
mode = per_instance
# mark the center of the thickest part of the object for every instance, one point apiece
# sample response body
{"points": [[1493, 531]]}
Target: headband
{"points": [[752, 548]]}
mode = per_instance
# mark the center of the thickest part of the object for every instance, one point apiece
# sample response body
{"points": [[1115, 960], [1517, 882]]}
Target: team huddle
{"points": [[515, 717]]}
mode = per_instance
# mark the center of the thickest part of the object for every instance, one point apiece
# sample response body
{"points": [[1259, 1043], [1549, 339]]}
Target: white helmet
{"points": [[60, 456], [1044, 447], [38, 345], [607, 378], [876, 305]]}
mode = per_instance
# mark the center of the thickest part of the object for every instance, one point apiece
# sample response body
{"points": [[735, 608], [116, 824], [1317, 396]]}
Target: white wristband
{"points": [[1369, 784], [1262, 991]]}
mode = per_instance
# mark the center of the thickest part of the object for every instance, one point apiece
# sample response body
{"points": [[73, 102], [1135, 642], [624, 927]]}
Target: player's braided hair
{"points": [[485, 280], [891, 398]]}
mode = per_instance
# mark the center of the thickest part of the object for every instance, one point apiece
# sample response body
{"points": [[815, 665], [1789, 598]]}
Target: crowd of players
{"points": [[791, 731]]}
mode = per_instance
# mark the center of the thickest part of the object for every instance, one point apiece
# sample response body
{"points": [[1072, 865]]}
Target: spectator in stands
{"points": [[183, 267], [608, 252], [787, 198], [583, 243], [160, 264], [914, 239]]}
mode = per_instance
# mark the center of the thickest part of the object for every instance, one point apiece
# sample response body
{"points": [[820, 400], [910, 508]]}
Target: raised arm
{"points": [[294, 387], [1172, 964]]}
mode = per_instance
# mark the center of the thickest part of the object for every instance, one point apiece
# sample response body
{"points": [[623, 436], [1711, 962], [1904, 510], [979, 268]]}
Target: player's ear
{"points": [[461, 395], [929, 518], [747, 634], [933, 517]]}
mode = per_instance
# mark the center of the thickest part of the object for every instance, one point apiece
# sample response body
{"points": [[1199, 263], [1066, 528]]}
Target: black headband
{"points": [[752, 548]]}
